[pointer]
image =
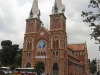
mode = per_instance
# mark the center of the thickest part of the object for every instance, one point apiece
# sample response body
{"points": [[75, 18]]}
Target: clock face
{"points": [[42, 33], [41, 44]]}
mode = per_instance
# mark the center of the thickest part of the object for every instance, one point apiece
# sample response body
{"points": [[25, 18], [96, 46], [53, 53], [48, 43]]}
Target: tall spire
{"points": [[35, 12], [58, 7]]}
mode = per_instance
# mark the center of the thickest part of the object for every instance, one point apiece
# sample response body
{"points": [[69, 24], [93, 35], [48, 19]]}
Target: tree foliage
{"points": [[92, 66], [10, 53], [93, 18], [39, 68], [18, 58], [6, 43]]}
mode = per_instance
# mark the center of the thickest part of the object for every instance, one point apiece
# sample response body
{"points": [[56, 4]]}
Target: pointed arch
{"points": [[29, 44], [55, 69], [26, 54], [28, 65], [57, 53], [53, 54], [55, 42], [44, 54], [29, 55]]}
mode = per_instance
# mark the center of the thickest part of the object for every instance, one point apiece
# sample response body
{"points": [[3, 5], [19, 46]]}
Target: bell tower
{"points": [[33, 24], [58, 25], [58, 39], [57, 18]]}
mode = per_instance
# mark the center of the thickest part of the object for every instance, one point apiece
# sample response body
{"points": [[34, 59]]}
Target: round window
{"points": [[41, 44]]}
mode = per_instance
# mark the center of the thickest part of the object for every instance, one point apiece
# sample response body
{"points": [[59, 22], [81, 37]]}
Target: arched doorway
{"points": [[55, 69], [28, 65], [39, 67]]}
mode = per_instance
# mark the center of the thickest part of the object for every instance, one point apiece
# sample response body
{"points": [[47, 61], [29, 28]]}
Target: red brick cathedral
{"points": [[51, 46]]}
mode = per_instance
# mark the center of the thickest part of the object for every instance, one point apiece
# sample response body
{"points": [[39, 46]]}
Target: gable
{"points": [[43, 33], [43, 29]]}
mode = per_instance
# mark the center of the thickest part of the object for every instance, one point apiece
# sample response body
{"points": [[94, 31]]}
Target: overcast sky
{"points": [[13, 15]]}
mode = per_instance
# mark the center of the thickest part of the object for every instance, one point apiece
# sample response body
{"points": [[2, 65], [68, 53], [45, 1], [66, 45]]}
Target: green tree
{"points": [[17, 62], [14, 51], [18, 58], [92, 66], [39, 68], [8, 52], [93, 18]]}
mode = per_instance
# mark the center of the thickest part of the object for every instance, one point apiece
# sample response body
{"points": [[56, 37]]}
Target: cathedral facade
{"points": [[51, 46]]}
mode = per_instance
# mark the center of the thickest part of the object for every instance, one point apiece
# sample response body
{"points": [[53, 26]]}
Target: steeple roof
{"points": [[58, 7], [35, 12]]}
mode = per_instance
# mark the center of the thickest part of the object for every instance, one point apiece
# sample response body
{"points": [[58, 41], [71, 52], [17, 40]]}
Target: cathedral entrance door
{"points": [[28, 65], [55, 69]]}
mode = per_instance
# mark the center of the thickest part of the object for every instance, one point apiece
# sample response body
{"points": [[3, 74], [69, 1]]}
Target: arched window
{"points": [[29, 44], [30, 26], [55, 43], [56, 22], [55, 69], [56, 53], [28, 65], [29, 55], [53, 54]]}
